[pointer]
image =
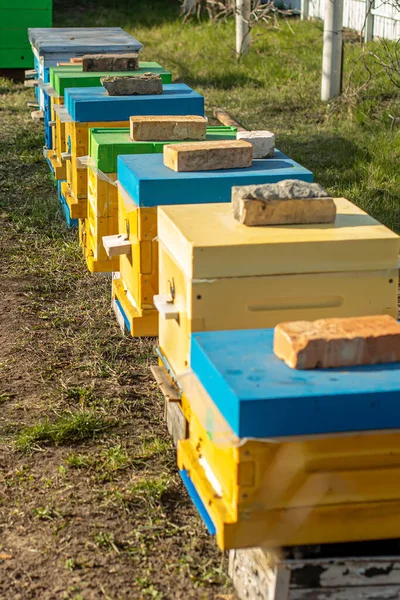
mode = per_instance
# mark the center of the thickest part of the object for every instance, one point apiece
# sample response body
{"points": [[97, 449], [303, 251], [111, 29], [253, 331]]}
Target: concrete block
{"points": [[110, 62], [289, 202], [148, 83], [263, 142], [335, 343], [208, 156], [165, 128]]}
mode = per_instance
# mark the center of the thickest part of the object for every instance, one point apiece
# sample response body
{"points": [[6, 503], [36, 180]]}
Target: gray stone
{"points": [[148, 83], [289, 202]]}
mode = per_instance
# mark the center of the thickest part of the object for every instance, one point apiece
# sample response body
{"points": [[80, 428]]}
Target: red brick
{"points": [[331, 343]]}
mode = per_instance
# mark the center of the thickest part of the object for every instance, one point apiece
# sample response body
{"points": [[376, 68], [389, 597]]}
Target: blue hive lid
{"points": [[150, 183], [260, 396], [82, 40], [94, 105]]}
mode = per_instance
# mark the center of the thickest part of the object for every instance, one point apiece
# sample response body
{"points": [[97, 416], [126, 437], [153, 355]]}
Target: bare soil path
{"points": [[91, 505]]}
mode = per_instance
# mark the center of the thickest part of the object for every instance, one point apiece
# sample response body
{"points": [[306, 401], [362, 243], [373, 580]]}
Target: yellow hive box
{"points": [[77, 140], [138, 281], [101, 220], [222, 275], [290, 491], [58, 140]]}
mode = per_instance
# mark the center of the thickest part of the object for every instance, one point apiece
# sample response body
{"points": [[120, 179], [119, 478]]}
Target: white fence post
{"points": [[187, 5], [332, 52], [243, 11], [369, 21], [305, 10]]}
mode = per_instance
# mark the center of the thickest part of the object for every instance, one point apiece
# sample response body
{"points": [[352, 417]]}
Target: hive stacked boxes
{"points": [[230, 276], [212, 242], [146, 183], [267, 456], [53, 45], [105, 145], [73, 76], [92, 107]]}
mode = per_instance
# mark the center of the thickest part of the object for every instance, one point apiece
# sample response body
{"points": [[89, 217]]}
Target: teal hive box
{"points": [[261, 397], [144, 177], [93, 104], [92, 107]]}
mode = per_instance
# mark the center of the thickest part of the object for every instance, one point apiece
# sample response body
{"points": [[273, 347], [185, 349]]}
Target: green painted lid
{"points": [[105, 145], [62, 78]]}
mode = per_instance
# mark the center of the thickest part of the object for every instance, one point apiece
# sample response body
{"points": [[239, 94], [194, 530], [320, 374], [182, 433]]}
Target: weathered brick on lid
{"points": [[289, 202], [340, 342], [208, 156], [110, 62], [162, 128]]}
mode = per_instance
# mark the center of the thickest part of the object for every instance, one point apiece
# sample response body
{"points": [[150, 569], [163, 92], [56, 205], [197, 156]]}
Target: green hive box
{"points": [[65, 77], [105, 145], [15, 18]]}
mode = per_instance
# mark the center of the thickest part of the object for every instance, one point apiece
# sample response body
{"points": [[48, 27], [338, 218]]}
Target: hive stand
{"points": [[177, 424], [259, 574]]}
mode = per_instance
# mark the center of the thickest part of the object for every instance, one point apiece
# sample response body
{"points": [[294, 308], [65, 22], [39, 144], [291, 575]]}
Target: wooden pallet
{"points": [[259, 574], [176, 423]]}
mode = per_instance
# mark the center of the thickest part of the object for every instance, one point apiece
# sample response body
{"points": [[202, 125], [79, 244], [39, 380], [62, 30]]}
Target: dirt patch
{"points": [[91, 505]]}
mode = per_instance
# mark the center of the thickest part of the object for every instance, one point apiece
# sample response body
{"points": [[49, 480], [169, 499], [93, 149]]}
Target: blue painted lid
{"points": [[260, 396], [94, 105], [144, 176], [82, 40]]}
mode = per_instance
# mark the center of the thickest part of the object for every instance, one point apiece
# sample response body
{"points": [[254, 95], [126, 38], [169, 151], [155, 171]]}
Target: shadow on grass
{"points": [[109, 13], [325, 154], [224, 81], [347, 168]]}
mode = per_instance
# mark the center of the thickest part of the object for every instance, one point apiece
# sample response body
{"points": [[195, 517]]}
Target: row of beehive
{"points": [[263, 458]]}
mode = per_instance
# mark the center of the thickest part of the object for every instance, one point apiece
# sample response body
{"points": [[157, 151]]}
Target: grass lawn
{"points": [[90, 502]]}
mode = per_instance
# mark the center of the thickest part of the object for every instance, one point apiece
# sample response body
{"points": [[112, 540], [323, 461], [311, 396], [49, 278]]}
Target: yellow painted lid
{"points": [[206, 241]]}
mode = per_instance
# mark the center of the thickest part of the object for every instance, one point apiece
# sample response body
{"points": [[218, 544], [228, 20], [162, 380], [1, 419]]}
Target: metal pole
{"points": [[243, 11], [332, 52], [305, 10], [369, 21], [187, 5]]}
